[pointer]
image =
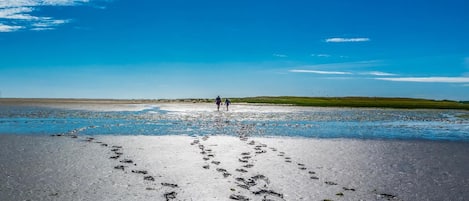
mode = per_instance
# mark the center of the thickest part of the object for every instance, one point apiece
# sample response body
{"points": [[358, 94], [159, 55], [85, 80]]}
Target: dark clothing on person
{"points": [[218, 102]]}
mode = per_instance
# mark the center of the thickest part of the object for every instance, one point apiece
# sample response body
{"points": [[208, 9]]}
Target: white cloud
{"points": [[320, 72], [428, 79], [346, 40], [19, 14], [345, 65], [280, 55], [8, 28], [47, 24], [41, 29], [29, 3], [379, 73], [321, 55]]}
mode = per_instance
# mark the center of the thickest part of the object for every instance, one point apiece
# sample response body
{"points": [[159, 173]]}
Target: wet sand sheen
{"points": [[229, 168]]}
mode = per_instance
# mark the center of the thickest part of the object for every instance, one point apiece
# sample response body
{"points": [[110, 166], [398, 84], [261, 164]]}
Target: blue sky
{"points": [[200, 49]]}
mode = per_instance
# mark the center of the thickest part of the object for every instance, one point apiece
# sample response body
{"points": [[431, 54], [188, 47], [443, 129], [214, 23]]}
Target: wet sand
{"points": [[229, 168]]}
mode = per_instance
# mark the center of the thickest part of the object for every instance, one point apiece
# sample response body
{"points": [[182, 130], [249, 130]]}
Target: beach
{"points": [[107, 167]]}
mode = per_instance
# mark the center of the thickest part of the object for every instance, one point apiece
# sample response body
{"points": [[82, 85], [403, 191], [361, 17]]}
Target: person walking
{"points": [[218, 102], [227, 103]]}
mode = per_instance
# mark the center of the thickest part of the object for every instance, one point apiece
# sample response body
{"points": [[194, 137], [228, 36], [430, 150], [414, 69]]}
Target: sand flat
{"points": [[65, 168]]}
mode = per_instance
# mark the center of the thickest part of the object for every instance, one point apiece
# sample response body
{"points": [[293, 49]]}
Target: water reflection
{"points": [[241, 121]]}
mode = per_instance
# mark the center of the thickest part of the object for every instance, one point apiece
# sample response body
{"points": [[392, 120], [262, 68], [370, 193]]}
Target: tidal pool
{"points": [[246, 119]]}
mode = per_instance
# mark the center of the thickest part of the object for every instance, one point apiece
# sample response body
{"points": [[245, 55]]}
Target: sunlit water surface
{"points": [[249, 120]]}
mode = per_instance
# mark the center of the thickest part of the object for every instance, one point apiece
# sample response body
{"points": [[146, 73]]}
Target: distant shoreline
{"points": [[356, 102]]}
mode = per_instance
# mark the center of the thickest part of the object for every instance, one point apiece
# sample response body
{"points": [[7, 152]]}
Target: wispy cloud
{"points": [[279, 55], [19, 14], [374, 73], [344, 65], [9, 28], [321, 55], [346, 40], [320, 72], [379, 73], [428, 79]]}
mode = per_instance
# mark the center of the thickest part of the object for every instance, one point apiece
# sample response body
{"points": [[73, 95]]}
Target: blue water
{"points": [[304, 122]]}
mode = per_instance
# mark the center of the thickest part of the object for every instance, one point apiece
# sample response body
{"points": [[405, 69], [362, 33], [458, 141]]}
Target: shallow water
{"points": [[249, 120]]}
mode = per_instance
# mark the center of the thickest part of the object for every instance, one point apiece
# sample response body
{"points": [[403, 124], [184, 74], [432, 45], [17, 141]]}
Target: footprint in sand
{"points": [[170, 195], [241, 170], [148, 178], [268, 192], [248, 165], [301, 166], [126, 161], [140, 171], [170, 185], [253, 181], [195, 142], [239, 197], [348, 189], [245, 183], [385, 195], [261, 152], [225, 173]]}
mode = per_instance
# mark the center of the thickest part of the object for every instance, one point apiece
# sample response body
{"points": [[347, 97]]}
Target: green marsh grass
{"points": [[378, 102]]}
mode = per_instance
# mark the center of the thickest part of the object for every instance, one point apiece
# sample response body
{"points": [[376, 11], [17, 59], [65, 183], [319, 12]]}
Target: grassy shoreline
{"points": [[363, 102], [367, 102]]}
